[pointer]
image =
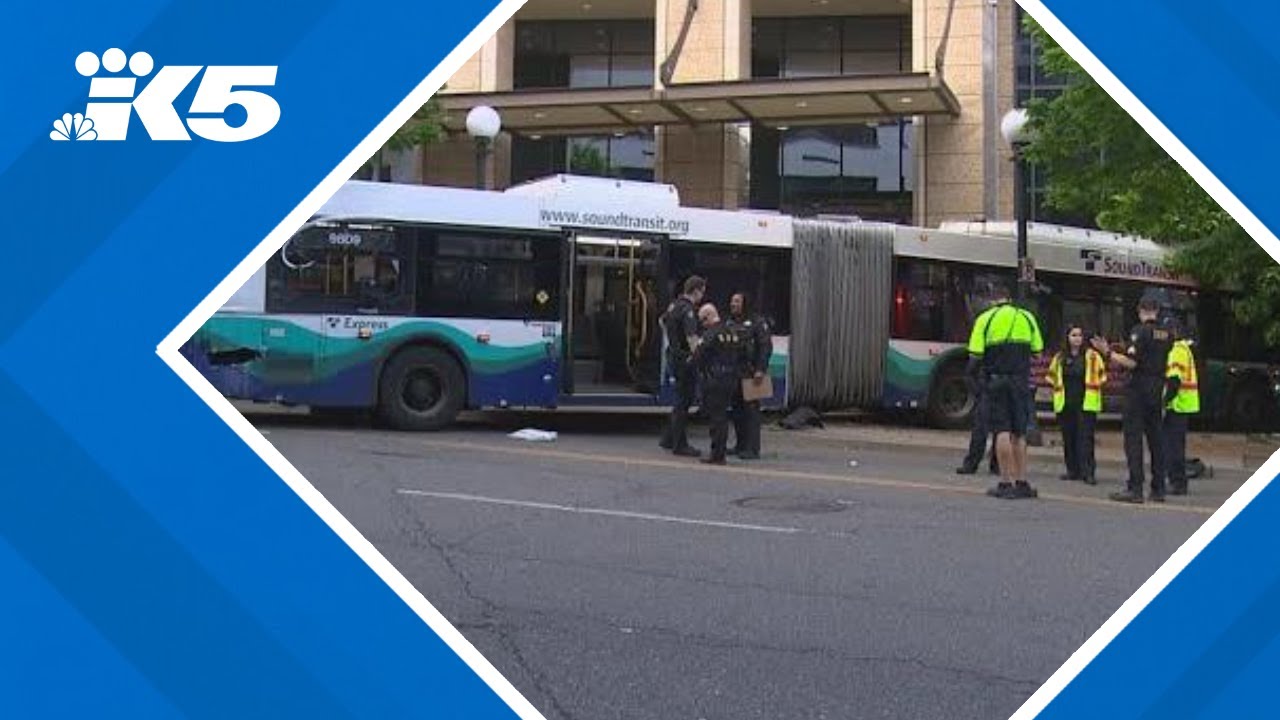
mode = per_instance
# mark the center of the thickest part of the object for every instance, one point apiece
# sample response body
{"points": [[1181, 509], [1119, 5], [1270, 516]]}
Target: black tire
{"points": [[421, 388], [1250, 406], [951, 399]]}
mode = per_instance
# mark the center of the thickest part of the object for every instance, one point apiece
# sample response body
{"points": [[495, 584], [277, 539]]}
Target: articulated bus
{"points": [[421, 302]]}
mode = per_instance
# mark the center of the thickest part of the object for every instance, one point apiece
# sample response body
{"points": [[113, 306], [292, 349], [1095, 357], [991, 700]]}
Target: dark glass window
{"points": [[330, 268], [1221, 337], [1104, 307], [938, 301], [629, 157], [1031, 83], [579, 53], [830, 46], [478, 274], [764, 274], [862, 170]]}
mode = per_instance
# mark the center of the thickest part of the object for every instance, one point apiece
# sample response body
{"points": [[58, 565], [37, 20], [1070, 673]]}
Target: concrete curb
{"points": [[1109, 454]]}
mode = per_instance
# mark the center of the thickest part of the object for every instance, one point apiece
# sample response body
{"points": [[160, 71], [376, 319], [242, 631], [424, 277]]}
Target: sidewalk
{"points": [[1219, 450]]}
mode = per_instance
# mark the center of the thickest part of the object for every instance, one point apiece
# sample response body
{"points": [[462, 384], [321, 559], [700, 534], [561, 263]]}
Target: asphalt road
{"points": [[606, 579]]}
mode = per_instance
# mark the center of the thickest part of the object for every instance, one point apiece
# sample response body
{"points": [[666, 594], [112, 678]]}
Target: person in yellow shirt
{"points": [[1076, 375], [1003, 340], [1182, 400]]}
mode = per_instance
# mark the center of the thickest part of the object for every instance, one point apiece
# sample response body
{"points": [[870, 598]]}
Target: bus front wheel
{"points": [[422, 388]]}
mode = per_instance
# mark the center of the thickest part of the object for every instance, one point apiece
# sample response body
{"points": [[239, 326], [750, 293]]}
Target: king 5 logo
{"points": [[114, 98]]}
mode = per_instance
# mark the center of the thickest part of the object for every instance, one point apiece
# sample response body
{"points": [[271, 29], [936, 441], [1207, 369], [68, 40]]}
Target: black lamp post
{"points": [[1014, 129], [483, 124]]}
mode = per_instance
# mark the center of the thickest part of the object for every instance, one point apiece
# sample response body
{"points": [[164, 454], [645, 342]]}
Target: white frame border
{"points": [[169, 351]]}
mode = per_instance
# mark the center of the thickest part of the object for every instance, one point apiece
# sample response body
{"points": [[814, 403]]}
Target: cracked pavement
{"points": [[606, 580]]}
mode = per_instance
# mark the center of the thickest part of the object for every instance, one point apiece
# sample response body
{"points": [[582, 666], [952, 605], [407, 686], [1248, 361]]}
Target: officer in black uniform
{"points": [[980, 432], [719, 357], [1146, 359], [754, 334], [680, 323]]}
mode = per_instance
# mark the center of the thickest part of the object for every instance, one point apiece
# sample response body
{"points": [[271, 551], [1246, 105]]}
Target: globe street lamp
{"points": [[1014, 129], [483, 124]]}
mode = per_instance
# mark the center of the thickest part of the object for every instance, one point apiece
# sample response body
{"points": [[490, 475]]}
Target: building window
{"points": [[627, 157], [830, 46], [1031, 83], [865, 170], [584, 54]]}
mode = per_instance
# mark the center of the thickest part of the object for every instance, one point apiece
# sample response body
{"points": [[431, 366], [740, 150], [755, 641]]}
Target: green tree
{"points": [[425, 127], [587, 159], [1098, 162]]}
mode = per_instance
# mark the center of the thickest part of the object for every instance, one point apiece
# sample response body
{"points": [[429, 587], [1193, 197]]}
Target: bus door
{"points": [[613, 345]]}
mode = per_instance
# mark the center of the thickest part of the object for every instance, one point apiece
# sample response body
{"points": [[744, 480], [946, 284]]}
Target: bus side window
{"points": [[331, 268], [763, 273], [489, 274]]}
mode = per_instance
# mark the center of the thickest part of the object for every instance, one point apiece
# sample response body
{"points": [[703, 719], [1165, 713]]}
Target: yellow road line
{"points": [[766, 473]]}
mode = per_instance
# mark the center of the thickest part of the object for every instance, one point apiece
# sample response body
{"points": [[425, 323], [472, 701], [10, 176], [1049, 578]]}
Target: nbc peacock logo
{"points": [[115, 99]]}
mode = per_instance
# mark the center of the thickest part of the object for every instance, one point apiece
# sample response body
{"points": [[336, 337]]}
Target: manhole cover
{"points": [[792, 504]]}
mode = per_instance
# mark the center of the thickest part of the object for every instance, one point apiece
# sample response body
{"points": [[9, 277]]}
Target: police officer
{"points": [[1003, 340], [1182, 400], [719, 357], [680, 323], [980, 432], [753, 332], [1147, 360]]}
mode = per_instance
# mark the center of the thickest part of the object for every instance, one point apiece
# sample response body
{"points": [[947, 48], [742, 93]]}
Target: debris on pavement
{"points": [[801, 418], [533, 435]]}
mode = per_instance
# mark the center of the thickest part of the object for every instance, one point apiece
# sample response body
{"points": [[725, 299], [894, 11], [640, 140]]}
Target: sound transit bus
{"points": [[419, 302]]}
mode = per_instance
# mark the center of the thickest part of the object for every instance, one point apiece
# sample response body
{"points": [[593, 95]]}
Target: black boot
{"points": [[1022, 490], [1128, 496]]}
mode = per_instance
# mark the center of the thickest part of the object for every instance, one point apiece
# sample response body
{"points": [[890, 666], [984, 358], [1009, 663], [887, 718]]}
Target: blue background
{"points": [[151, 564], [1209, 645]]}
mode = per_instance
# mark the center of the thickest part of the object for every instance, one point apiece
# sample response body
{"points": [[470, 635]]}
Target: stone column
{"points": [[708, 162], [952, 150]]}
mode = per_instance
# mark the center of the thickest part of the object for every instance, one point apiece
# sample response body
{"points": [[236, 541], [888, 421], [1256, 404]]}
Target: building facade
{"points": [[881, 109]]}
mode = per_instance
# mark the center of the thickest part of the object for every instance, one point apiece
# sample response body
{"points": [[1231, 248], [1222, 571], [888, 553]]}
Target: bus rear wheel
{"points": [[422, 388], [951, 401]]}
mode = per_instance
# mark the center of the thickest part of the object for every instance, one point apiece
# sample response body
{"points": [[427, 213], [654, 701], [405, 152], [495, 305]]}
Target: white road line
{"points": [[460, 497]]}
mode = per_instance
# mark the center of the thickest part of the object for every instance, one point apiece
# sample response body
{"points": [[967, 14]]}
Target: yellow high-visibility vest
{"points": [[1182, 365], [1095, 376]]}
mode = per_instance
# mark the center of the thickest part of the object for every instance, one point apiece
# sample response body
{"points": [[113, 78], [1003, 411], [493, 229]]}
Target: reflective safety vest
{"points": [[1182, 365], [1095, 376]]}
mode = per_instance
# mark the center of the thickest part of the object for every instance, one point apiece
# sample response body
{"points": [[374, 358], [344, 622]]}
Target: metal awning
{"points": [[776, 102]]}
